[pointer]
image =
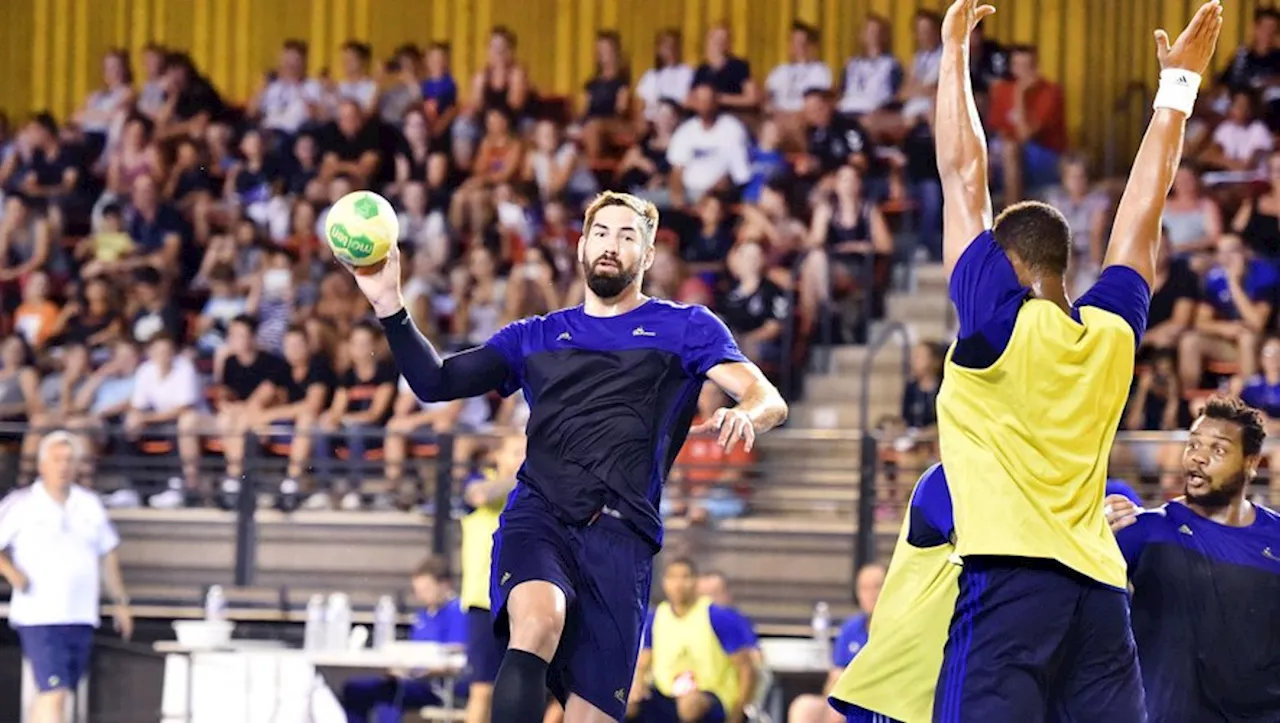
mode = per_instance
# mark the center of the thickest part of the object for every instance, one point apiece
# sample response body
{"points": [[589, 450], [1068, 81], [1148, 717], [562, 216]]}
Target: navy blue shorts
{"points": [[857, 714], [59, 654], [1031, 640], [604, 569], [658, 708], [484, 655]]}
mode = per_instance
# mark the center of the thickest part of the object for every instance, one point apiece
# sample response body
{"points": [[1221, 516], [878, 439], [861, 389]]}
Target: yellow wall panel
{"points": [[50, 49]]}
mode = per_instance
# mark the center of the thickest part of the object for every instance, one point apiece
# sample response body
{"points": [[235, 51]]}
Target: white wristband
{"points": [[1178, 90]]}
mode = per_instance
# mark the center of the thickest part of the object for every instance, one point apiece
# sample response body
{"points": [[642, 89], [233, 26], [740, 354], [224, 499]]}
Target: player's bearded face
{"points": [[1215, 469], [608, 274]]}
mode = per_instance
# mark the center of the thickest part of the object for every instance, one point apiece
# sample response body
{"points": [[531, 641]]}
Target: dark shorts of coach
{"points": [[1031, 641], [604, 569], [58, 654], [658, 708], [484, 653]]}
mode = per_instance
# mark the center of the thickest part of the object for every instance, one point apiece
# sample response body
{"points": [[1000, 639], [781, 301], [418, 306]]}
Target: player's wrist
{"points": [[1178, 90], [388, 305]]}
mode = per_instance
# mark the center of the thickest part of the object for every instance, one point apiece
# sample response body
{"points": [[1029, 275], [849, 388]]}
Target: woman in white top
{"points": [[668, 79], [104, 110]]}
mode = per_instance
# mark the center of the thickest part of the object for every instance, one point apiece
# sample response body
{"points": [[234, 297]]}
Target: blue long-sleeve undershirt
{"points": [[471, 373]]}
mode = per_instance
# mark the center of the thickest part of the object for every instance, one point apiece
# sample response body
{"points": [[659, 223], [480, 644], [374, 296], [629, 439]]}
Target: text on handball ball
{"points": [[361, 227], [357, 247]]}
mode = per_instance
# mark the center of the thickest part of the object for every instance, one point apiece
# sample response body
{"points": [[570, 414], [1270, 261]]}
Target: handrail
{"points": [[864, 551]]}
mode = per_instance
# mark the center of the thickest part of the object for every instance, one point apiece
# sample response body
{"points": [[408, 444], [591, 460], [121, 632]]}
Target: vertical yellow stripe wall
{"points": [[50, 49]]}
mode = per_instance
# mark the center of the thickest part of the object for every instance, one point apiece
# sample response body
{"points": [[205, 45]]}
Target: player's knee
{"points": [[535, 612], [806, 708]]}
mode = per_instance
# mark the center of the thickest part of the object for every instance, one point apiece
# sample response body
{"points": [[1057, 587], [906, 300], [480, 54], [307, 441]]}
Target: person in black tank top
{"points": [[1258, 221], [503, 83], [606, 96]]}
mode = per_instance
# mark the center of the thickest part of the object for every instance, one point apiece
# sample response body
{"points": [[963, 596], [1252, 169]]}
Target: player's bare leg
{"points": [[535, 614], [578, 710], [479, 702]]}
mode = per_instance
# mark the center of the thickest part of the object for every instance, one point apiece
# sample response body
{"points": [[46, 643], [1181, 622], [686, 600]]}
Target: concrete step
{"points": [[884, 387], [849, 360], [917, 307], [841, 415]]}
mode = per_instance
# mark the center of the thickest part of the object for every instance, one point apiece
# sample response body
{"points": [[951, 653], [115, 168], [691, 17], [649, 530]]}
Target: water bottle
{"points": [[337, 622], [384, 622], [822, 626], [313, 634], [215, 604]]}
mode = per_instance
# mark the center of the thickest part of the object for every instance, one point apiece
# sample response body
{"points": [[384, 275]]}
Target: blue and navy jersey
{"points": [[1260, 282], [725, 622], [610, 403], [447, 625], [1206, 614], [1264, 395]]}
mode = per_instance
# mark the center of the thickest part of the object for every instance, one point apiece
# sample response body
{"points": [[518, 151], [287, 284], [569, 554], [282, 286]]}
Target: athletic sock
{"points": [[520, 691]]}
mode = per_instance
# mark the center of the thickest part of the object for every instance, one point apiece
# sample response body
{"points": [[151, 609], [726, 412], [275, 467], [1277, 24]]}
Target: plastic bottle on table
{"points": [[215, 604], [822, 627], [314, 633], [337, 622], [384, 622]]}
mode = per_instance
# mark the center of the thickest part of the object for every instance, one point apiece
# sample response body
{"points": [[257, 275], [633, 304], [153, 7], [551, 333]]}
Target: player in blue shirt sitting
{"points": [[1238, 295], [441, 620]]}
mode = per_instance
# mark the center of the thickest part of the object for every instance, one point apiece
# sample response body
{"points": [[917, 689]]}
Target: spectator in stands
{"points": [[106, 396], [497, 161], [787, 83], [1157, 401], [19, 384], [705, 250], [707, 483], [415, 423], [191, 103], [57, 546], [152, 97], [669, 80], [532, 289], [288, 99], [556, 169], [1174, 298], [1028, 126], [988, 63], [921, 85], [36, 318], [54, 171], [226, 302], [606, 101], [644, 167], [831, 141], [728, 75], [853, 635], [99, 118], [1262, 391], [439, 94], [155, 226], [1086, 212], [1192, 220], [1258, 220], [873, 78], [402, 91], [708, 152], [90, 317], [304, 391], [59, 391], [165, 388], [1256, 65], [416, 160], [362, 404], [503, 84], [153, 312], [1241, 141], [1239, 293], [754, 308], [357, 85], [26, 240], [351, 146], [440, 620], [846, 235], [246, 381], [697, 652]]}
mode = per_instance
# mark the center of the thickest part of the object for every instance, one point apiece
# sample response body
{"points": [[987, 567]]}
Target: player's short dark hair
{"points": [[810, 33], [1037, 234], [1252, 422], [248, 320], [434, 567], [685, 561]]}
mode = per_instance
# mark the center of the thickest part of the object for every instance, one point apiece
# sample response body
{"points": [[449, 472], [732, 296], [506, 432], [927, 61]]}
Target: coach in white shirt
{"points": [[787, 83], [55, 538], [706, 151]]}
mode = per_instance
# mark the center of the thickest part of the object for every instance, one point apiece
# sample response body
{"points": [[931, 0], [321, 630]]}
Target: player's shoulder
{"points": [[15, 499]]}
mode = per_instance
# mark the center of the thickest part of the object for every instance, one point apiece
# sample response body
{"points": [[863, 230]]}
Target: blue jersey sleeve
{"points": [[727, 624], [853, 635], [510, 343], [987, 295], [748, 629], [646, 639], [708, 342], [1123, 292], [1122, 488]]}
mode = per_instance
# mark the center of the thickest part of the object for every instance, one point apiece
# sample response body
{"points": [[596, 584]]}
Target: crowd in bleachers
{"points": [[165, 288]]}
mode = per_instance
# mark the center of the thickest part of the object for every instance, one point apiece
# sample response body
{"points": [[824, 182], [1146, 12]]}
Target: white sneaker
{"points": [[125, 497], [351, 501], [318, 501], [167, 500]]}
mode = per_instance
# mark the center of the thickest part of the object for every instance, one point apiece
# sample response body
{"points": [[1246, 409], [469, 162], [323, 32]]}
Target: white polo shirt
{"points": [[59, 548], [709, 154], [156, 392], [788, 83]]}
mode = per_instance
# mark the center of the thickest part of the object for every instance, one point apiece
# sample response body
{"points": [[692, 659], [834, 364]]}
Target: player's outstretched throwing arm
{"points": [[961, 142], [1135, 236], [460, 376]]}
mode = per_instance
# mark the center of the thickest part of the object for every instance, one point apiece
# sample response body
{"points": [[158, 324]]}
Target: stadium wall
{"points": [[49, 49]]}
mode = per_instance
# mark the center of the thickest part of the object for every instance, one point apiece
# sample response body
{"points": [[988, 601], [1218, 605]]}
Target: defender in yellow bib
{"points": [[1034, 388]]}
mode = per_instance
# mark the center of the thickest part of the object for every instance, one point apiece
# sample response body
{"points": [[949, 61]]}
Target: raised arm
{"points": [[469, 374], [961, 142], [1135, 235]]}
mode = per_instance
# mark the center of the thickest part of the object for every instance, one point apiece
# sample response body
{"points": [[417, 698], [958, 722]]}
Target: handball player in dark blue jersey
{"points": [[612, 387], [1205, 570]]}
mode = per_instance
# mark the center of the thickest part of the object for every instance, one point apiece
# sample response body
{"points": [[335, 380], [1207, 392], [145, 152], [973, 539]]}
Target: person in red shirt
{"points": [[707, 482], [1029, 125]]}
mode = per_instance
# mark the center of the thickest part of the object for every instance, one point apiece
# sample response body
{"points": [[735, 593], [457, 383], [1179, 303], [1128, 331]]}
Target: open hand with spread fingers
{"points": [[1195, 47], [962, 17], [733, 425]]}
